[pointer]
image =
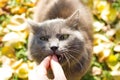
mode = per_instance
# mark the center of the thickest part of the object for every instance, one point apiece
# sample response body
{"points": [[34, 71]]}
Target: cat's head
{"points": [[61, 37]]}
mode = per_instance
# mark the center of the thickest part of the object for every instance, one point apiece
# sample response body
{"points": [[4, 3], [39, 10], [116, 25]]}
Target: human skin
{"points": [[40, 72]]}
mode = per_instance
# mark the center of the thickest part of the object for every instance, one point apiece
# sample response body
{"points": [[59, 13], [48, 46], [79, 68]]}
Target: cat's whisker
{"points": [[76, 60], [74, 51], [61, 57], [75, 46], [68, 61]]}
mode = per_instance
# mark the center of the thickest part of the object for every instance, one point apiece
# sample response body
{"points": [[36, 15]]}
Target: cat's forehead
{"points": [[57, 23], [52, 27]]}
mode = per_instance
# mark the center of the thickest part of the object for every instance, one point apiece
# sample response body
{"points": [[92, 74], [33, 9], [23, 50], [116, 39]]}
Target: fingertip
{"points": [[46, 62], [47, 58]]}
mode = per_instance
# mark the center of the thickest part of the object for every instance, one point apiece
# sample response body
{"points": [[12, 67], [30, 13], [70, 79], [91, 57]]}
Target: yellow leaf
{"points": [[23, 71], [8, 51], [31, 65], [30, 4], [111, 61], [19, 1], [98, 49], [13, 37], [112, 15], [111, 32], [3, 3], [17, 20], [117, 35], [98, 25], [18, 45], [17, 64], [101, 37], [18, 10], [104, 54], [22, 10], [104, 14], [102, 5], [17, 27], [116, 74]]}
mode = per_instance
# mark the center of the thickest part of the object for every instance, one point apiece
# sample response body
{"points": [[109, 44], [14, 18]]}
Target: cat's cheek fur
{"points": [[62, 45], [79, 35]]}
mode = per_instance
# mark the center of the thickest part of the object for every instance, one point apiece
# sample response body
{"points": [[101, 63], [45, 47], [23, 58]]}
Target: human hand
{"points": [[40, 72]]}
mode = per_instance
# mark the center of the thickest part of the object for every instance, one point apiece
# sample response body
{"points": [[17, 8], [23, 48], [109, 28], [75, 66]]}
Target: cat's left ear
{"points": [[74, 20], [33, 26]]}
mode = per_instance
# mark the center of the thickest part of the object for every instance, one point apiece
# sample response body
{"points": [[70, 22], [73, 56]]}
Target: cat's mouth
{"points": [[59, 57]]}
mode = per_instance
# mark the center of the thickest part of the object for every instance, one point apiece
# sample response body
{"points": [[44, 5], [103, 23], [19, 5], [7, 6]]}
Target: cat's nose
{"points": [[54, 48]]}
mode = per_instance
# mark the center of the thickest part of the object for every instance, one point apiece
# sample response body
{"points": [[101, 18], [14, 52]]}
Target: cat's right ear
{"points": [[74, 20], [33, 26]]}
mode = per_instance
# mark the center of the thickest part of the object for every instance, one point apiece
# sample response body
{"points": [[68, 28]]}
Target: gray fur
{"points": [[75, 51]]}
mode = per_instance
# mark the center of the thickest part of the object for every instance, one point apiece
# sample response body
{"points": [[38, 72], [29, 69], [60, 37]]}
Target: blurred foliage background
{"points": [[14, 64]]}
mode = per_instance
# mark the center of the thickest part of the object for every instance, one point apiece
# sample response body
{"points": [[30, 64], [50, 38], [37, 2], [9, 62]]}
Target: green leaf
{"points": [[89, 76], [22, 55], [106, 75], [116, 5], [15, 77]]}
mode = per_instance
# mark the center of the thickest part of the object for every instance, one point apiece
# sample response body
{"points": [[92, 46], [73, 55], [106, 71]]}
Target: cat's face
{"points": [[56, 37]]}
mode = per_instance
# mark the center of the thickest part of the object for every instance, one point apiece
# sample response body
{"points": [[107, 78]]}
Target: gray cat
{"points": [[62, 28]]}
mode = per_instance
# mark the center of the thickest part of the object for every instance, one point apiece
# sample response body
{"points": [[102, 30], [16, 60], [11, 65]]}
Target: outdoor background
{"points": [[14, 64]]}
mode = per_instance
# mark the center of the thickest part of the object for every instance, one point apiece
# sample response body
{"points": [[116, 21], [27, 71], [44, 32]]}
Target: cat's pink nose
{"points": [[54, 48]]}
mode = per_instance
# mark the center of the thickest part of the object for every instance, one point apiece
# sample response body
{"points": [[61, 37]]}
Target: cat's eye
{"points": [[63, 36], [44, 38]]}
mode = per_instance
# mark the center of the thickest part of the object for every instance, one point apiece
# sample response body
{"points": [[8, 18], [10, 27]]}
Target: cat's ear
{"points": [[33, 26], [74, 20]]}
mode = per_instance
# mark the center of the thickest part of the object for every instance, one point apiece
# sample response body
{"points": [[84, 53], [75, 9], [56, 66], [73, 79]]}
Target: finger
{"points": [[40, 72], [44, 65], [57, 69]]}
